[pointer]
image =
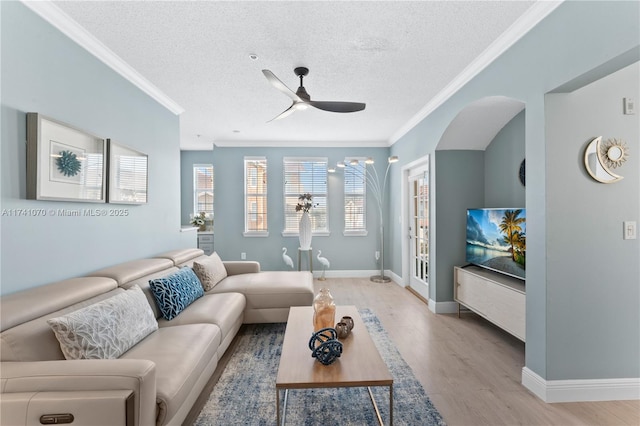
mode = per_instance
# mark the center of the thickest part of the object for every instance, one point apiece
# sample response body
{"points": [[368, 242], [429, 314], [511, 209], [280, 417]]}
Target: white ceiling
{"points": [[397, 57]]}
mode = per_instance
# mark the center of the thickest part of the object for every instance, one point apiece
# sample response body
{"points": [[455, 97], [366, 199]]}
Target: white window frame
{"points": [[316, 232], [249, 204], [197, 190], [362, 178]]}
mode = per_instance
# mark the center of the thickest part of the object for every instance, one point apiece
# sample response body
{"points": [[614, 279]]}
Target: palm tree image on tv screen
{"points": [[496, 240]]}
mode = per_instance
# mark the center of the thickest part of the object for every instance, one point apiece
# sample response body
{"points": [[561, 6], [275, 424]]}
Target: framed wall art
{"points": [[64, 163], [128, 177]]}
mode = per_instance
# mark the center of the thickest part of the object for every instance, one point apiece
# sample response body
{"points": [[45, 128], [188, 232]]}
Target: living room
{"points": [[582, 292]]}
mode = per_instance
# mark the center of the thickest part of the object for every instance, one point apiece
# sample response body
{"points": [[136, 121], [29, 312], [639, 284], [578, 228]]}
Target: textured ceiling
{"points": [[394, 56]]}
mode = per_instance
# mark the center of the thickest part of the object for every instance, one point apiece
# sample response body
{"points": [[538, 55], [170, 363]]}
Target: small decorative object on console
{"points": [[343, 330], [325, 346], [348, 321], [324, 310]]}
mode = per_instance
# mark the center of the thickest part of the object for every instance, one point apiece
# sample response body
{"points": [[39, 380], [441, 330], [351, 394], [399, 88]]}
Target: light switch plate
{"points": [[630, 230], [629, 106]]}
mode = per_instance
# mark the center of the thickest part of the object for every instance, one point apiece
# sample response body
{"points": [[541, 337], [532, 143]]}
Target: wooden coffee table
{"points": [[360, 364]]}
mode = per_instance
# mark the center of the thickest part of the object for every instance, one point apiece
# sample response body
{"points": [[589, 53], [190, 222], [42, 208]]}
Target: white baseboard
{"points": [[443, 307], [395, 277], [343, 273], [581, 390]]}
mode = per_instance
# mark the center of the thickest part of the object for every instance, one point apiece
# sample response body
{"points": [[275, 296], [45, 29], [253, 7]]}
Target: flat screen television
{"points": [[496, 240]]}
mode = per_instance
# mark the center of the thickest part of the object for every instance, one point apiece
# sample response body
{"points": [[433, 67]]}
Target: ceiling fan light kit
{"points": [[302, 100]]}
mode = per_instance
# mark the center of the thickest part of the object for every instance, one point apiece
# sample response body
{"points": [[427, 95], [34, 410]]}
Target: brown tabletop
{"points": [[359, 365]]}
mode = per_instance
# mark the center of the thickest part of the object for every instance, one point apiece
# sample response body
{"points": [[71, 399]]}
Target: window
{"points": [[255, 191], [355, 207], [203, 189], [301, 176]]}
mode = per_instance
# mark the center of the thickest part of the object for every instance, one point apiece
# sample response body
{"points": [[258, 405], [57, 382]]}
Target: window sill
{"points": [[255, 234], [362, 233], [314, 234]]}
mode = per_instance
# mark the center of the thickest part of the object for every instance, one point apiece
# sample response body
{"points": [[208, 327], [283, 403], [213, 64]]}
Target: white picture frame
{"points": [[64, 163], [128, 175]]}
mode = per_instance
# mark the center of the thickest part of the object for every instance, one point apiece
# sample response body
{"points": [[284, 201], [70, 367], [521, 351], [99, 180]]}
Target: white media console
{"points": [[499, 298]]}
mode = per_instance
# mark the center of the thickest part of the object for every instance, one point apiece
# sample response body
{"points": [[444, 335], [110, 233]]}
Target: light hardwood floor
{"points": [[470, 369]]}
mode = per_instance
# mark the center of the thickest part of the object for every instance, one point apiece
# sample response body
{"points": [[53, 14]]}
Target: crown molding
{"points": [[287, 144], [515, 32], [63, 22]]}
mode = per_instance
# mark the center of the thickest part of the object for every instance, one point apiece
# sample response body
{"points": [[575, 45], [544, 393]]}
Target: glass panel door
{"points": [[419, 228]]}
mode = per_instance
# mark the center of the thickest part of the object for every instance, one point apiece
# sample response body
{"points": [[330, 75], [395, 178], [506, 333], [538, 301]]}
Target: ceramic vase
{"points": [[304, 231]]}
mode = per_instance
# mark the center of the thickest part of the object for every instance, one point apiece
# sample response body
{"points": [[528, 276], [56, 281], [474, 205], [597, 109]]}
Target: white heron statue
{"points": [[325, 264], [287, 259]]}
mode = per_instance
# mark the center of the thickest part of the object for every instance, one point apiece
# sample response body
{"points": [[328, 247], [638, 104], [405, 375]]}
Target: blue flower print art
{"points": [[68, 163]]}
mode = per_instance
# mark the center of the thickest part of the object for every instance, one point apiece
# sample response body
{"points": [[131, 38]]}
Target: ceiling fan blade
{"points": [[287, 112], [338, 106], [275, 82]]}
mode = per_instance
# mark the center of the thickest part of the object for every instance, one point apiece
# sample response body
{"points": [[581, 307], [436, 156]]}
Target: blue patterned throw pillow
{"points": [[175, 292]]}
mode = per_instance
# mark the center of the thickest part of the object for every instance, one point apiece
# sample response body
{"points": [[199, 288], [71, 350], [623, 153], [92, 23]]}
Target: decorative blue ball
{"points": [[325, 346]]}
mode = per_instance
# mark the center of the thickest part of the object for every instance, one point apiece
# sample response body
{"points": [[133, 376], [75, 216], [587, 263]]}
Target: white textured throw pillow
{"points": [[106, 329], [210, 271]]}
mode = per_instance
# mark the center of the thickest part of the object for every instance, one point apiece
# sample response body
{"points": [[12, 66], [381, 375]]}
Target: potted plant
{"points": [[200, 220]]}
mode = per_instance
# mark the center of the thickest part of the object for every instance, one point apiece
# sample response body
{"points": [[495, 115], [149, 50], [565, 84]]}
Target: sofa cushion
{"points": [[35, 340], [180, 256], [143, 283], [18, 308], [174, 292], [210, 271], [106, 329], [129, 271], [270, 289], [182, 354], [223, 310]]}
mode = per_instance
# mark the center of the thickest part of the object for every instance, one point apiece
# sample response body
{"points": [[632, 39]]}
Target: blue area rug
{"points": [[246, 392]]}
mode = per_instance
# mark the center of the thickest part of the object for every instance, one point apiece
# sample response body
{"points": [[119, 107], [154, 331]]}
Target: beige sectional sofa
{"points": [[156, 381]]}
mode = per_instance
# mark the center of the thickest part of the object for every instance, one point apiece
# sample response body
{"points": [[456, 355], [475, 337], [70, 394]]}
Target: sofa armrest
{"points": [[87, 375], [87, 408], [241, 267]]}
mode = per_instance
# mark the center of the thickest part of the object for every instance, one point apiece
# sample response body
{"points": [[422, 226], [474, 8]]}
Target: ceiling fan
{"points": [[302, 100]]}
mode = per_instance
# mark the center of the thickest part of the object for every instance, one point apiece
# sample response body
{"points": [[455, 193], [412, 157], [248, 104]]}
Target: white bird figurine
{"points": [[325, 264], [287, 259]]}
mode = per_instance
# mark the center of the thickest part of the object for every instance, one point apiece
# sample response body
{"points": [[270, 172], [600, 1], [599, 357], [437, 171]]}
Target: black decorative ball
{"points": [[325, 346]]}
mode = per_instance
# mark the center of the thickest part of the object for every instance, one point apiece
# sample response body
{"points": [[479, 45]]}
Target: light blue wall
{"points": [[459, 186], [502, 187], [593, 274], [43, 71], [344, 253], [564, 46]]}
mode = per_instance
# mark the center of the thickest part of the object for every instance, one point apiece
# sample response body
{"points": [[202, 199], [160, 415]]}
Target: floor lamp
{"points": [[379, 191]]}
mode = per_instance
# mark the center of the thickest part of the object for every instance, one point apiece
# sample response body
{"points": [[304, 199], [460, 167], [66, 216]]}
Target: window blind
{"points": [[355, 197], [203, 184], [305, 176], [255, 181]]}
